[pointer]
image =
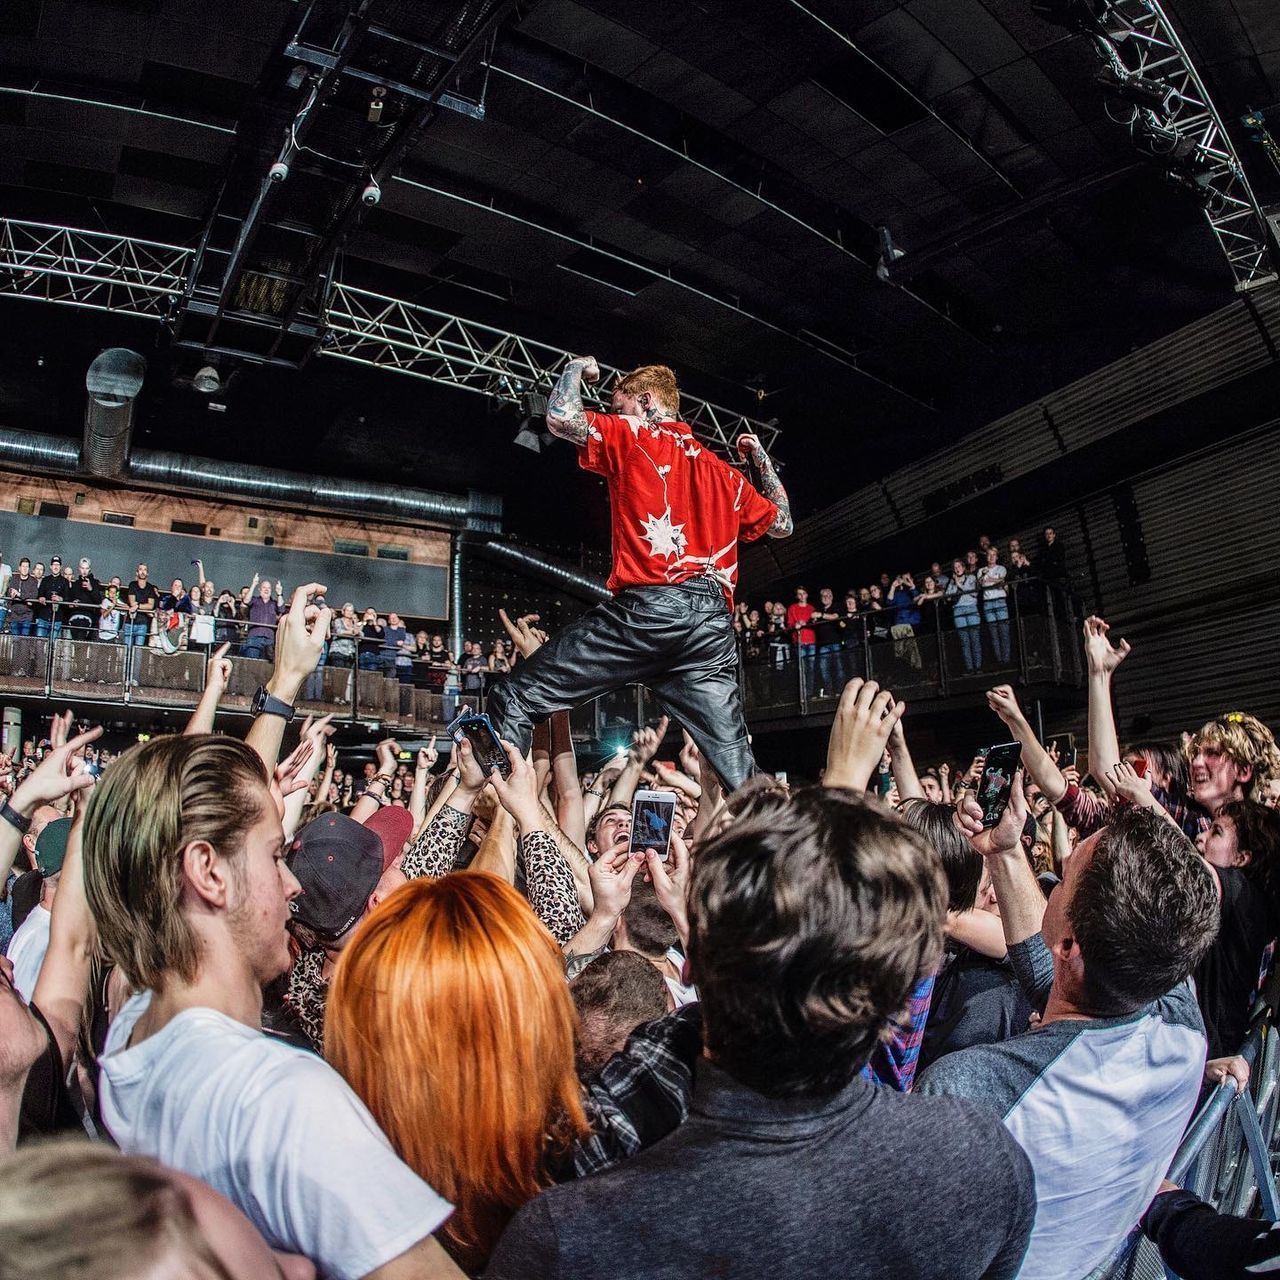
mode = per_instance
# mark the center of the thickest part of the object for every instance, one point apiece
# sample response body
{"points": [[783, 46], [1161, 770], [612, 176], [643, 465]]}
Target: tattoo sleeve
{"points": [[772, 489], [565, 415]]}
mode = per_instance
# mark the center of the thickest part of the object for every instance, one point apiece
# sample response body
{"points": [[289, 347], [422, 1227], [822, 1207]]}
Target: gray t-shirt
{"points": [[868, 1183], [1099, 1105]]}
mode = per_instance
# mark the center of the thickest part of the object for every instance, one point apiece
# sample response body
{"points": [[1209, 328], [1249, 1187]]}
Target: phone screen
{"points": [[996, 784], [478, 730], [651, 815]]}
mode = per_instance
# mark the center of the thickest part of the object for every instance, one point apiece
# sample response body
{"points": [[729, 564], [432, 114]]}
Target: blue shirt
{"points": [[904, 600]]}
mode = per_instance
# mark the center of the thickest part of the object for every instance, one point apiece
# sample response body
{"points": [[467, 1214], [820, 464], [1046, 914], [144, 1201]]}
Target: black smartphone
{"points": [[651, 816], [1066, 744], [478, 730], [996, 785]]}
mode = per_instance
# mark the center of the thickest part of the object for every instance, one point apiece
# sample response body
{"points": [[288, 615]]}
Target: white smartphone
{"points": [[651, 816]]}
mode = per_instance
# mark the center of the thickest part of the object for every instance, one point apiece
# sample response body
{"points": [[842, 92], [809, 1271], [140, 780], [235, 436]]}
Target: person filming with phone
{"points": [[678, 515]]}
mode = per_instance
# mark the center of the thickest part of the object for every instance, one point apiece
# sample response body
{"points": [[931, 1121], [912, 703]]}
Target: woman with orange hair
{"points": [[449, 1015]]}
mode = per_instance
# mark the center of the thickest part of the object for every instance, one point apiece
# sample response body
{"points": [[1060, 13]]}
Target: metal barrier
{"points": [[1225, 1155], [1038, 642]]}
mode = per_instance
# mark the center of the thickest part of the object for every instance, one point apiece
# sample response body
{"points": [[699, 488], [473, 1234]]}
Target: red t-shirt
{"points": [[678, 510], [797, 615]]}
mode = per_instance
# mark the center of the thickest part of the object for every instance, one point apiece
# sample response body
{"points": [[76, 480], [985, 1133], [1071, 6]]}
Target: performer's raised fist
{"points": [[590, 370], [747, 445]]}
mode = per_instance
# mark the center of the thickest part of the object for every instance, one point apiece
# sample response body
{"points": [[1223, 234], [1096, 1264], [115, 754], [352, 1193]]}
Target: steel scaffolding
{"points": [[130, 276]]}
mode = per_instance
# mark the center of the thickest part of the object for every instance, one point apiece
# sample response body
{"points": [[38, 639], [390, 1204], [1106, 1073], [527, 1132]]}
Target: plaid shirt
{"points": [[641, 1094], [893, 1061], [1089, 813]]}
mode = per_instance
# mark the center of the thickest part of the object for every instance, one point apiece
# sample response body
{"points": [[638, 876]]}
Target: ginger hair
{"points": [[657, 380]]}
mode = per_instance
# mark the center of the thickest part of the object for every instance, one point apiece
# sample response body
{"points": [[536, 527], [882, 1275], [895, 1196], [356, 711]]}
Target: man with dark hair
{"points": [[611, 825], [678, 515], [614, 994], [1100, 1093], [646, 928], [809, 925]]}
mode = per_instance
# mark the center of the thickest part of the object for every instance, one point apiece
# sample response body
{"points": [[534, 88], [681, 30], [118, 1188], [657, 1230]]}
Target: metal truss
{"points": [[412, 339], [90, 268], [1183, 129], [105, 272]]}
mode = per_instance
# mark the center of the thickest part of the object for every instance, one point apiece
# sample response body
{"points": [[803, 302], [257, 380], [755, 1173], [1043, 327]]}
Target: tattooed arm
{"points": [[769, 485], [565, 415]]}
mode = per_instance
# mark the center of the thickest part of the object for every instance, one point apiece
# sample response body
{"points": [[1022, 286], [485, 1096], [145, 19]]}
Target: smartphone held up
{"points": [[996, 784], [478, 730], [652, 813]]}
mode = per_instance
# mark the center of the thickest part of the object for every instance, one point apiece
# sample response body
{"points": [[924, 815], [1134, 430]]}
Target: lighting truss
{"points": [[128, 276], [412, 339], [1148, 46], [90, 268]]}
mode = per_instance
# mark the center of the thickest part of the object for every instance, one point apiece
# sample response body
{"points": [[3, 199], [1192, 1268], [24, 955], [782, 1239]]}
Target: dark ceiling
{"points": [[698, 183]]}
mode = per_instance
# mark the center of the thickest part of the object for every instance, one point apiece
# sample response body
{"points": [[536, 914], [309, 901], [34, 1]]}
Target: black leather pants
{"points": [[677, 640]]}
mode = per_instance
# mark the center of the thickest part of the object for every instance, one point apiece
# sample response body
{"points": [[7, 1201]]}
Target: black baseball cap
{"points": [[338, 863]]}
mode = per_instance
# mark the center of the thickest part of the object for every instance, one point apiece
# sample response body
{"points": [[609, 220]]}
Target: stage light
{"points": [[207, 380], [528, 438], [1142, 91], [889, 254]]}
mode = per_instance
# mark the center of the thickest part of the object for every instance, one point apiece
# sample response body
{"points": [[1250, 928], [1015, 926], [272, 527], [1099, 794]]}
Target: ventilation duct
{"points": [[113, 383], [559, 575], [34, 451], [177, 471]]}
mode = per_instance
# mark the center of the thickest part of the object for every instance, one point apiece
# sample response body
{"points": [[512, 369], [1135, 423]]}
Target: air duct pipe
{"points": [[176, 471], [113, 383], [35, 451], [550, 571]]}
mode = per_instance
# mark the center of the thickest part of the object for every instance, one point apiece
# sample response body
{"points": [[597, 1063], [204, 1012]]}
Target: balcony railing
{"points": [[935, 658]]}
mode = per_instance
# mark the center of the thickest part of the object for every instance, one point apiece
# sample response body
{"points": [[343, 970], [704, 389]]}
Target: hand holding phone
{"points": [[478, 730], [996, 783], [652, 813]]}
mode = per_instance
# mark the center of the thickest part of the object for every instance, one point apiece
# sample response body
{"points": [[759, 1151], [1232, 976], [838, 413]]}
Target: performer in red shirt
{"points": [[678, 515]]}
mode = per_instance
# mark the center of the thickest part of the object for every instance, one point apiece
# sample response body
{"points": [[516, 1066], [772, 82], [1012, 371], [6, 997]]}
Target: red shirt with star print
{"points": [[679, 511]]}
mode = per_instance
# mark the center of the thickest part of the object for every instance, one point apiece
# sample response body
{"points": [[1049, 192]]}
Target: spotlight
{"points": [[372, 193], [534, 404], [207, 380], [1142, 91], [889, 254], [278, 171], [528, 438]]}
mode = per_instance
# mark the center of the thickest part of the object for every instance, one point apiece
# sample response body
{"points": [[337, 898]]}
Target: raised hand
{"points": [[518, 792], [387, 753], [1004, 702], [748, 445], [292, 774], [218, 669], [590, 368], [58, 774], [671, 882], [645, 742], [470, 775], [691, 758], [299, 642], [1006, 836], [864, 720], [526, 638], [428, 755], [1131, 786], [1102, 656], [611, 876]]}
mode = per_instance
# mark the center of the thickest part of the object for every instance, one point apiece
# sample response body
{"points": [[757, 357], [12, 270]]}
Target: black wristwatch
{"points": [[16, 820], [264, 704]]}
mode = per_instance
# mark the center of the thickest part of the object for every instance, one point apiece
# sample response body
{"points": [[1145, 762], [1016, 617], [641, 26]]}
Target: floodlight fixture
{"points": [[207, 380]]}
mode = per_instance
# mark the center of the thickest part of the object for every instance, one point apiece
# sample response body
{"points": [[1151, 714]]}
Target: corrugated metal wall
{"points": [[1222, 347], [1206, 626]]}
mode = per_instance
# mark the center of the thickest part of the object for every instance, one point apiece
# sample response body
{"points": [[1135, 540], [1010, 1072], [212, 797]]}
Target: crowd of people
{"points": [[441, 1022], [827, 633], [61, 600]]}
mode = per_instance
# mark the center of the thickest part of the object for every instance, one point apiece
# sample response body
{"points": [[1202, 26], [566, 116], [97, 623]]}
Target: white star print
{"points": [[664, 538]]}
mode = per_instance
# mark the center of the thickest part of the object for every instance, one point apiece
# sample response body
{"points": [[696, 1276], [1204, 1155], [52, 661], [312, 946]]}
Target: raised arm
{"points": [[1103, 658], [1035, 759], [217, 675], [902, 766], [566, 417], [749, 447]]}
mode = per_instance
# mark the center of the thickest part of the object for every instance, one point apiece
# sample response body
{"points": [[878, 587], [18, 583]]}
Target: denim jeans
{"points": [[258, 647], [135, 634], [809, 667], [678, 640], [21, 627], [995, 614], [969, 627], [831, 675]]}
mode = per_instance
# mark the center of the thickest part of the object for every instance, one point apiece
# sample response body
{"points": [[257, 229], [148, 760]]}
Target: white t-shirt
{"points": [[682, 993], [992, 577], [273, 1128], [27, 948]]}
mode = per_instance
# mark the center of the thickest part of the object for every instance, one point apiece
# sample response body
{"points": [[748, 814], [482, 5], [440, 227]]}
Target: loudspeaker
{"points": [[1132, 541]]}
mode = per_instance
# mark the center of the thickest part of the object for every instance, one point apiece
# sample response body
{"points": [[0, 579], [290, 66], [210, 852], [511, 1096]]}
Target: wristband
{"points": [[14, 818], [599, 795]]}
